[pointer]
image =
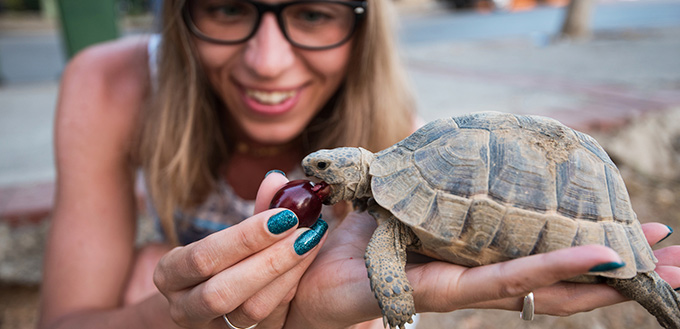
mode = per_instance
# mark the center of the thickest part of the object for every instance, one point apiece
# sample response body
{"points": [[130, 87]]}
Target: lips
{"points": [[270, 98], [271, 102]]}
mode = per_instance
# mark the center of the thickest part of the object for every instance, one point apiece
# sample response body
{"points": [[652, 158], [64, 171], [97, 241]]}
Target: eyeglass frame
{"points": [[358, 8]]}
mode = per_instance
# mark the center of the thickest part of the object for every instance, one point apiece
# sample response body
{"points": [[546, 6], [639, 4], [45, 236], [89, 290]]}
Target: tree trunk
{"points": [[576, 24]]}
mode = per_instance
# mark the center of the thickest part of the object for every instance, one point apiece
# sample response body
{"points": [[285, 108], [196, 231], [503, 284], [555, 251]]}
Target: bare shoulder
{"points": [[116, 70], [102, 93]]}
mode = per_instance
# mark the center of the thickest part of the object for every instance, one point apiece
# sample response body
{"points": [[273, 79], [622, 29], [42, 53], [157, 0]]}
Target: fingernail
{"points": [[670, 231], [281, 222], [273, 171], [309, 239], [607, 266]]}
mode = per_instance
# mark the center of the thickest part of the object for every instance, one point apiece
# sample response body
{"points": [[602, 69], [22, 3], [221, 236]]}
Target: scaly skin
{"points": [[385, 262], [654, 294]]}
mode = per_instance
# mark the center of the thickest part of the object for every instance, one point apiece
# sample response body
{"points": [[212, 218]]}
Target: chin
{"points": [[273, 134]]}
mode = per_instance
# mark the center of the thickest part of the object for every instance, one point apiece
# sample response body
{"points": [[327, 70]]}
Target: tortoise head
{"points": [[345, 169]]}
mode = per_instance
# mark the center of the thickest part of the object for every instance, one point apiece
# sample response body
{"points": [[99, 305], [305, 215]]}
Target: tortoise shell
{"points": [[489, 187]]}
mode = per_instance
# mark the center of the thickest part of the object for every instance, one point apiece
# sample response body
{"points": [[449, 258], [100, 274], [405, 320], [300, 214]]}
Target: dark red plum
{"points": [[303, 197]]}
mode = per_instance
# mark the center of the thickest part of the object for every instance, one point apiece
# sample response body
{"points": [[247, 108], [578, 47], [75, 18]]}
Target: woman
{"points": [[234, 89]]}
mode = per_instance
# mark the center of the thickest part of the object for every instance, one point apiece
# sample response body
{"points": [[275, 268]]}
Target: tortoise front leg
{"points": [[385, 261]]}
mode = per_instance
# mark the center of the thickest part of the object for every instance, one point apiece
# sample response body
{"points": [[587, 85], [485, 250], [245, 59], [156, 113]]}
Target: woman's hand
{"points": [[339, 272], [249, 271]]}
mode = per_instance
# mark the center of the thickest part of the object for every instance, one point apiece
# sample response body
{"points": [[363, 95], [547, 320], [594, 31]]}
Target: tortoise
{"points": [[489, 187]]}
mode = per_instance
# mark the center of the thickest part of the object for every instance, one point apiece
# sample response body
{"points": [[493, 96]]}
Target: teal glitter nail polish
{"points": [[275, 171], [670, 231], [281, 222], [309, 239], [607, 266]]}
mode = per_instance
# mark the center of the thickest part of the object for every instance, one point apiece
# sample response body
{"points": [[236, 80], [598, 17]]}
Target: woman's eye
{"points": [[230, 10], [312, 16]]}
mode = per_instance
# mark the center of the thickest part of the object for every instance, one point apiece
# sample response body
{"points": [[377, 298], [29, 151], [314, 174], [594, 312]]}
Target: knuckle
{"points": [[254, 311], [178, 315], [247, 242], [201, 261], [214, 299], [160, 277], [160, 280], [570, 304], [276, 265], [513, 286]]}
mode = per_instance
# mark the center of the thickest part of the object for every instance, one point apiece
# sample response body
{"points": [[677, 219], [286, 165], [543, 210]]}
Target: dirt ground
{"points": [[653, 200]]}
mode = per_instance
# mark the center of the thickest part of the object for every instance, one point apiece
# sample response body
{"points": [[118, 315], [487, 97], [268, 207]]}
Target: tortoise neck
{"points": [[363, 188]]}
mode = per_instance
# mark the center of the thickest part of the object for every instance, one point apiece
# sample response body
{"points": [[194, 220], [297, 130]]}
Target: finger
{"points": [[522, 275], [507, 279], [656, 232], [570, 298], [561, 299], [187, 266], [269, 186], [670, 274], [228, 289], [275, 320], [279, 292], [669, 256]]}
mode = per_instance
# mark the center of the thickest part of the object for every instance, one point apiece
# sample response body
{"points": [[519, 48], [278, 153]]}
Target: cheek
{"points": [[332, 63], [214, 59]]}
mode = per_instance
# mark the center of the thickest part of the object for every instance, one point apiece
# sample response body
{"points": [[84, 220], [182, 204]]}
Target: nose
{"points": [[268, 54]]}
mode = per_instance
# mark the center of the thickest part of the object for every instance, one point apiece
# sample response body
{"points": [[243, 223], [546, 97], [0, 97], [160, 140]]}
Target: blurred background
{"points": [[610, 68]]}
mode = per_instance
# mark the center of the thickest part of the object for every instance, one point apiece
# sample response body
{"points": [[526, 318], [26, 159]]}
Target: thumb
{"points": [[271, 183]]}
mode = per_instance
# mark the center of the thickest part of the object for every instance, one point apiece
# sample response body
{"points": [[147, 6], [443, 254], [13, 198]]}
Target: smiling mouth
{"points": [[270, 97]]}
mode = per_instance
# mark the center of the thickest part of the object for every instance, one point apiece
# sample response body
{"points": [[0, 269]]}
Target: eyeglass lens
{"points": [[310, 24]]}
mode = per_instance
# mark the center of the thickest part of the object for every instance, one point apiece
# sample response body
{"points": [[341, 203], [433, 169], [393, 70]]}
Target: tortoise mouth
{"points": [[329, 193], [334, 194]]}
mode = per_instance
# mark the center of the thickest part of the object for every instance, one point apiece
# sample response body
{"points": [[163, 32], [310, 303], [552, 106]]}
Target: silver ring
{"points": [[231, 326], [527, 313]]}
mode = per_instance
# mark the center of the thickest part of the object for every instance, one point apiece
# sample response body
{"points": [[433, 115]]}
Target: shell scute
{"points": [[390, 160], [644, 261], [559, 232], [616, 238], [416, 206], [458, 168], [520, 175], [582, 190], [445, 219], [390, 189], [428, 133], [481, 224], [593, 146], [487, 121], [518, 233], [589, 233], [618, 196]]}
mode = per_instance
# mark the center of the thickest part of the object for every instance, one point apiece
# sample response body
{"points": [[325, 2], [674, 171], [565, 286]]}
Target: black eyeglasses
{"points": [[315, 24]]}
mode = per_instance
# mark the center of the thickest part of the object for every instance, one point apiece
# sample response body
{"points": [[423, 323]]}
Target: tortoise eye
{"points": [[322, 165]]}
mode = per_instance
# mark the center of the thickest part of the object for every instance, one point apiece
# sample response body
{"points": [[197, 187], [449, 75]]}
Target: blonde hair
{"points": [[183, 137]]}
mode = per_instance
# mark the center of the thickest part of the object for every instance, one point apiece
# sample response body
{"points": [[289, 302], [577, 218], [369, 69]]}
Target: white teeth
{"points": [[270, 97]]}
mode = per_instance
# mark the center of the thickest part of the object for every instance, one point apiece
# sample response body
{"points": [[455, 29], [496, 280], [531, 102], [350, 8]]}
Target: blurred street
{"points": [[622, 85]]}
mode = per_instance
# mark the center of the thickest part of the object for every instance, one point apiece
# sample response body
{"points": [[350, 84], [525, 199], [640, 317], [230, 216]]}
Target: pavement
{"points": [[618, 79]]}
